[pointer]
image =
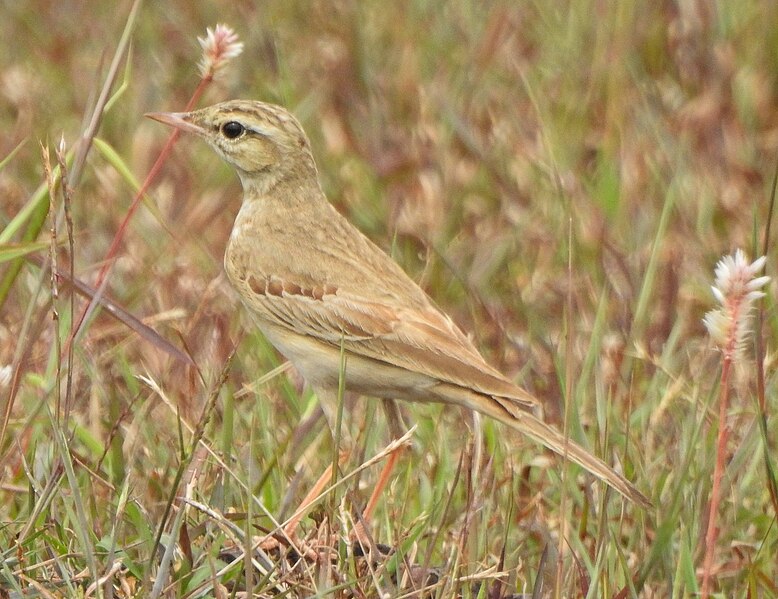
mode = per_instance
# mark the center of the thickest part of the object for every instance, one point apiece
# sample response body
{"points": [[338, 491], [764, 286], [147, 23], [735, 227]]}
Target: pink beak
{"points": [[179, 120]]}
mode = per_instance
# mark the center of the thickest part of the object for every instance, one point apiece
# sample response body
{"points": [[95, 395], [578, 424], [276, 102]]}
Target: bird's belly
{"points": [[320, 365]]}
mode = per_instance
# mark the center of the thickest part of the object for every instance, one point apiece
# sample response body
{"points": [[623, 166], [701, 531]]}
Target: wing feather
{"points": [[421, 340]]}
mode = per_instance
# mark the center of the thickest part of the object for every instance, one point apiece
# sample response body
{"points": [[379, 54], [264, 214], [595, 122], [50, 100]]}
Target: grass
{"points": [[561, 178]]}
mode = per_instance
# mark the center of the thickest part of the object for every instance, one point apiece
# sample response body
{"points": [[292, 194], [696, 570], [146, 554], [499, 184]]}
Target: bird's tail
{"points": [[537, 430]]}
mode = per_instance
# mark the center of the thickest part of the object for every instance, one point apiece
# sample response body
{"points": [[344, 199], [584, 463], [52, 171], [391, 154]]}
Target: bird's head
{"points": [[264, 142]]}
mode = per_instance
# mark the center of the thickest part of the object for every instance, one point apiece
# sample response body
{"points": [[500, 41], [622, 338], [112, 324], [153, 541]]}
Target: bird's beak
{"points": [[179, 120]]}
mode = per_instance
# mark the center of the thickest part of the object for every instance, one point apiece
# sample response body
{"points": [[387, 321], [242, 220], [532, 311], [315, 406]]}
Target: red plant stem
{"points": [[715, 496], [119, 236]]}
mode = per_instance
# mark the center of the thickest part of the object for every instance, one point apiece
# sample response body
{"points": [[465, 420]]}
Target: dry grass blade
{"points": [[67, 209], [51, 184], [105, 93], [122, 315]]}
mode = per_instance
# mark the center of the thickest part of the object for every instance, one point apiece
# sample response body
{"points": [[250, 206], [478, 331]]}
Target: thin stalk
{"points": [[715, 496]]}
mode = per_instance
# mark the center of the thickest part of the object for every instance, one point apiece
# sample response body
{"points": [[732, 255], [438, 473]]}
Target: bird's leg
{"points": [[394, 418], [397, 429], [316, 490], [330, 405]]}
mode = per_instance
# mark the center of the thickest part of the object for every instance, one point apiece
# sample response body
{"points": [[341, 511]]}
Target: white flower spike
{"points": [[736, 288], [219, 45]]}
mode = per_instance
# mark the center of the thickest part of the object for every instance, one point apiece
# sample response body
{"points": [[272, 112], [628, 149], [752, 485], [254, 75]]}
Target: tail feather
{"points": [[537, 430]]}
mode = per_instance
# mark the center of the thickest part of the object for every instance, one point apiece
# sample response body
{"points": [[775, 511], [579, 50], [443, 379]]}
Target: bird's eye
{"points": [[233, 130]]}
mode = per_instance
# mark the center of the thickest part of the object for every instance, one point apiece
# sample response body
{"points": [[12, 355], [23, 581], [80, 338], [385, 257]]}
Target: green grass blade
{"points": [[11, 251]]}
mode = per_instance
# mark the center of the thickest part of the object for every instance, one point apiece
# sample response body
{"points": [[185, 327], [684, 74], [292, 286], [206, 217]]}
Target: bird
{"points": [[320, 291]]}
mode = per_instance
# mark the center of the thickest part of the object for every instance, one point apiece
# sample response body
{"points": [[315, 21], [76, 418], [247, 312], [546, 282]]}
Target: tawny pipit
{"points": [[314, 284]]}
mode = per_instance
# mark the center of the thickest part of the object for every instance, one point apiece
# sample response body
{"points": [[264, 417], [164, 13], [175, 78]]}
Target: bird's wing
{"points": [[419, 339]]}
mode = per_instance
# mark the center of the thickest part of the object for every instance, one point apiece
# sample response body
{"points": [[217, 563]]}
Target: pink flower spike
{"points": [[219, 45]]}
